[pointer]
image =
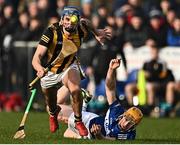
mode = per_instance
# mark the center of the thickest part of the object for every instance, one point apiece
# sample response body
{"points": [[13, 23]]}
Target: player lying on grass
{"points": [[116, 124]]}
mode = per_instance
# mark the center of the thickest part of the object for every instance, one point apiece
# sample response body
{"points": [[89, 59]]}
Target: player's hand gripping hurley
{"points": [[68, 49]]}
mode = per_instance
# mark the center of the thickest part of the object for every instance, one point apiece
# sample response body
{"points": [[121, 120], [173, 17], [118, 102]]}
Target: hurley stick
{"points": [[20, 134], [68, 48]]}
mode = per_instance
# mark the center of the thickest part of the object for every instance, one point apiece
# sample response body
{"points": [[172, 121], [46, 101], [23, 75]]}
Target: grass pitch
{"points": [[151, 130]]}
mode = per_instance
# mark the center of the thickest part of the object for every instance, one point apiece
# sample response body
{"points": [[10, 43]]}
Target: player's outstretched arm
{"points": [[100, 34], [111, 80]]}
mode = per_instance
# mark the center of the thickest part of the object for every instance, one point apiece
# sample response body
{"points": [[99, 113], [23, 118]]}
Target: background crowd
{"points": [[134, 23]]}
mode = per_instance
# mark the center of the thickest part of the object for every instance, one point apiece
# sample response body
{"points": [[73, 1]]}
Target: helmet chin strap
{"points": [[70, 30]]}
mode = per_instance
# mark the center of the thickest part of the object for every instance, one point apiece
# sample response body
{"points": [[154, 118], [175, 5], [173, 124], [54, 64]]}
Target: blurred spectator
{"points": [[129, 12], [36, 29], [157, 76], [120, 21], [44, 12], [2, 2], [87, 53], [173, 36], [10, 21], [102, 13], [20, 75], [165, 6], [157, 31], [131, 89], [53, 19], [103, 56], [148, 5], [132, 8], [8, 25], [60, 6], [14, 103], [22, 28], [87, 8], [170, 16], [111, 20], [172, 93], [136, 33], [32, 9], [95, 20], [137, 6], [11, 102], [116, 4]]}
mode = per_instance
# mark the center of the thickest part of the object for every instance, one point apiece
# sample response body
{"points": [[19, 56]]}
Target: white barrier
{"points": [[137, 57]]}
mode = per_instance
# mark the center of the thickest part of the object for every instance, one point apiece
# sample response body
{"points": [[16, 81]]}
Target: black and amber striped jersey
{"points": [[53, 38]]}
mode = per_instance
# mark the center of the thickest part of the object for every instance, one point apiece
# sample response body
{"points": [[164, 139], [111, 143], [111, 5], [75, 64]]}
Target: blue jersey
{"points": [[110, 125]]}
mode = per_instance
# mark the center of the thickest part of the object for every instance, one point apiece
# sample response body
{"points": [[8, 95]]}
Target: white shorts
{"points": [[86, 118], [51, 79]]}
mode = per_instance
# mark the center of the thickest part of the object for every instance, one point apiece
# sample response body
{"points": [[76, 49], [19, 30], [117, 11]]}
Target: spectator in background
{"points": [[7, 30], [170, 16], [131, 88], [131, 8], [87, 53], [120, 21], [20, 74], [137, 6], [60, 6], [165, 6], [102, 58], [53, 19], [157, 76], [111, 20], [44, 12], [172, 94], [157, 31], [129, 11], [148, 5], [36, 29], [136, 33], [173, 36], [95, 20], [87, 8], [10, 21], [102, 13], [1, 4], [22, 27], [32, 9], [116, 4]]}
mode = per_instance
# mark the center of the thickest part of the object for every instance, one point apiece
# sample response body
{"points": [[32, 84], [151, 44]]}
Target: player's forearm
{"points": [[89, 26], [36, 62], [111, 79]]}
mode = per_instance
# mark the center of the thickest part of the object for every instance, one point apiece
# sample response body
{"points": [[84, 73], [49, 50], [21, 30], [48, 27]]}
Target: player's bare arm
{"points": [[111, 80], [36, 61], [100, 34]]}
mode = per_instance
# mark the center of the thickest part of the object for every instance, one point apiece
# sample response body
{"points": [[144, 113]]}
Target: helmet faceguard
{"points": [[74, 15]]}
